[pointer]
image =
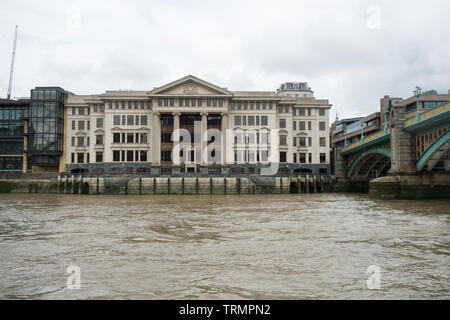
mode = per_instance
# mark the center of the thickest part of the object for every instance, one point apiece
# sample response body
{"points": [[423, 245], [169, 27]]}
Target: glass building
{"points": [[12, 134], [46, 126]]}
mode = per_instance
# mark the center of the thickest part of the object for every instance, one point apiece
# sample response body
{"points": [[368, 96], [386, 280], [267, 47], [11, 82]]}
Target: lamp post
{"points": [[417, 93]]}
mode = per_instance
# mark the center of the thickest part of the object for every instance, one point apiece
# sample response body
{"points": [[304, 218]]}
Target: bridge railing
{"points": [[427, 114], [367, 139]]}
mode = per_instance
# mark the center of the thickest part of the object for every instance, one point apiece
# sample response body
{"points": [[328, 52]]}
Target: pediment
{"points": [[189, 85], [302, 133], [81, 133]]}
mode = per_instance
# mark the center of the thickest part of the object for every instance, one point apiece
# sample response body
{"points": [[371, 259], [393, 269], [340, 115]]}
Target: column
{"points": [[224, 127], [176, 139], [204, 139], [403, 158], [156, 139]]}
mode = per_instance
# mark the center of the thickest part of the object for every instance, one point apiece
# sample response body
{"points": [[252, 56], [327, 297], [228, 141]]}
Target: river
{"points": [[316, 246]]}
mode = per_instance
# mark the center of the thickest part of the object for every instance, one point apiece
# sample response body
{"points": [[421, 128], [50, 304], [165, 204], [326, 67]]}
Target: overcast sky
{"points": [[350, 52]]}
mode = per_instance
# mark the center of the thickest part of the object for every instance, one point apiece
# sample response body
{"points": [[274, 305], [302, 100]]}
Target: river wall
{"points": [[170, 185]]}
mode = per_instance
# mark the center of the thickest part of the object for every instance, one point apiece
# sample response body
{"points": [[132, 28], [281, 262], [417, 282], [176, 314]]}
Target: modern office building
{"points": [[220, 131]]}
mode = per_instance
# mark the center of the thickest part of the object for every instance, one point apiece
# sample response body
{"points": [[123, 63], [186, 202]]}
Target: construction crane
{"points": [[12, 64]]}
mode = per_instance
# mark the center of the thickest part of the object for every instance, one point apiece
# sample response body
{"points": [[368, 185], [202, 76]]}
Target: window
{"points": [[237, 120], [282, 123], [309, 111], [160, 102], [302, 157], [310, 157], [282, 156], [99, 157], [294, 125], [99, 140], [166, 102], [143, 138], [295, 157], [110, 104], [73, 124], [99, 122], [81, 111], [72, 158], [130, 105], [116, 155], [73, 141], [251, 120], [144, 156], [130, 138], [116, 104], [166, 155], [322, 141], [116, 120], [294, 142], [144, 120], [102, 108], [322, 125], [137, 120], [130, 155], [310, 141], [301, 111], [301, 125], [166, 137], [80, 141], [321, 112], [199, 102], [309, 125], [283, 140], [257, 120], [180, 102], [244, 120], [116, 137], [172, 102], [123, 104], [130, 120], [294, 111], [323, 158], [302, 142], [74, 111], [136, 104], [89, 125], [80, 157], [264, 120]]}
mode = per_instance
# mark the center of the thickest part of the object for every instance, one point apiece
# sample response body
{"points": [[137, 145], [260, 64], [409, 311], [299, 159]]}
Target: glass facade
{"points": [[12, 134], [46, 126]]}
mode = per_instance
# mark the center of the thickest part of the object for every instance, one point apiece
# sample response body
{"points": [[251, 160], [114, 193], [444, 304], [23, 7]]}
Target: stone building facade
{"points": [[192, 126]]}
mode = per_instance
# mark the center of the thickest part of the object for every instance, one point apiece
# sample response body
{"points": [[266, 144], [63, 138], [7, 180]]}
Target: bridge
{"points": [[414, 146]]}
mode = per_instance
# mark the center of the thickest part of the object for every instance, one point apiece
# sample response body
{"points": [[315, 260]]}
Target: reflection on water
{"points": [[223, 247]]}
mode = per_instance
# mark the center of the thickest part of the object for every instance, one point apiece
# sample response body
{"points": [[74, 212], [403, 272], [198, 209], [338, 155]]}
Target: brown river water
{"points": [[315, 246]]}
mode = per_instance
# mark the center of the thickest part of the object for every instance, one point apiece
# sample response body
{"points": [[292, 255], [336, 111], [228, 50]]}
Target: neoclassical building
{"points": [[191, 125]]}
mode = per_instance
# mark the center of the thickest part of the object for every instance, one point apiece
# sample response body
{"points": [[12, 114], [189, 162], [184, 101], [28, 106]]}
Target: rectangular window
{"points": [[130, 120], [323, 158], [282, 123], [237, 120], [116, 155], [309, 125], [143, 156], [166, 102], [137, 120], [310, 157], [283, 157], [251, 120], [301, 111], [73, 124], [302, 141], [89, 125], [244, 120], [99, 140], [310, 141], [73, 141], [294, 111], [302, 157], [257, 120], [80, 141], [160, 102], [144, 120], [130, 138], [124, 118], [321, 112], [180, 102], [136, 104], [123, 104], [322, 141], [322, 125], [81, 111], [116, 104], [110, 104], [301, 125], [295, 157], [143, 138], [200, 102], [130, 105], [172, 102], [116, 137], [294, 142], [130, 155], [72, 158], [74, 112], [99, 122], [309, 111], [80, 157], [294, 125], [264, 120], [116, 120], [99, 157], [283, 140]]}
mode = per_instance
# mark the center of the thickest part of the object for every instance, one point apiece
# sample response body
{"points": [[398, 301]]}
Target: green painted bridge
{"points": [[407, 145]]}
